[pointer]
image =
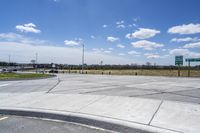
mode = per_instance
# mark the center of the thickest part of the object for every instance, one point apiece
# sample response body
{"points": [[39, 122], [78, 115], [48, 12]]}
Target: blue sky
{"points": [[114, 31]]}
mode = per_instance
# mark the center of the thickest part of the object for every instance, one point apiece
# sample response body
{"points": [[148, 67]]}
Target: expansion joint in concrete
{"points": [[90, 103], [155, 113], [58, 82]]}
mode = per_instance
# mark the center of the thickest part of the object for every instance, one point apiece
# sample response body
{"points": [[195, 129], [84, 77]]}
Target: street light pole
{"points": [[9, 59], [36, 61], [82, 58]]}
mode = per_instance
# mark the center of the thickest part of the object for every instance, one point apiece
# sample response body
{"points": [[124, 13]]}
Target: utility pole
{"points": [[189, 68], [36, 61], [9, 59], [179, 71], [82, 58]]}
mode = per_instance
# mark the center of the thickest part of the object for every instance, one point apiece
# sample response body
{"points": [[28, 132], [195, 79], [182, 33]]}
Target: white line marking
{"points": [[3, 118], [4, 85]]}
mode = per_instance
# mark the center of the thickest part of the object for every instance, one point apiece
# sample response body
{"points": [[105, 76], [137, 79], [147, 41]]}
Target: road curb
{"points": [[89, 121]]}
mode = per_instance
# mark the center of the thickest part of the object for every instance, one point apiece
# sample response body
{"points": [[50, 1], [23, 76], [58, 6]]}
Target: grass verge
{"points": [[11, 76]]}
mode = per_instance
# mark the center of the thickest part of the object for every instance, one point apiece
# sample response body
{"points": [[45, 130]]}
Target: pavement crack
{"points": [[58, 82], [183, 95], [146, 94], [98, 99], [155, 112], [106, 88]]}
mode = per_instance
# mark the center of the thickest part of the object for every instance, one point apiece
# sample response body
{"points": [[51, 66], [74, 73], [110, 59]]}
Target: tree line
{"points": [[94, 66]]}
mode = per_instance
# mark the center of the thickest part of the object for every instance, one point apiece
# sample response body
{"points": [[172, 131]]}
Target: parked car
{"points": [[53, 71], [3, 70]]}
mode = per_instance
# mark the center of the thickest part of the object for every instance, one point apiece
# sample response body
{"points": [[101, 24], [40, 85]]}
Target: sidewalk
{"points": [[146, 114]]}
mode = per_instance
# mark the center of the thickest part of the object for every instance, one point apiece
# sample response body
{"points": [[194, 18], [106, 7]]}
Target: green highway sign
{"points": [[179, 60], [192, 60]]}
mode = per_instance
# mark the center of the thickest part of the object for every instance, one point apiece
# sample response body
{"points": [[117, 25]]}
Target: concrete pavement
{"points": [[156, 104], [25, 86], [151, 115], [163, 88]]}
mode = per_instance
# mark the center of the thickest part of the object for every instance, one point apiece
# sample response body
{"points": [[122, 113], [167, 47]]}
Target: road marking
{"points": [[2, 85], [3, 118]]}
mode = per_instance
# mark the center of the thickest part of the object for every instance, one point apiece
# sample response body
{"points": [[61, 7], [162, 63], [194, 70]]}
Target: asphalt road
{"points": [[16, 124], [164, 88]]}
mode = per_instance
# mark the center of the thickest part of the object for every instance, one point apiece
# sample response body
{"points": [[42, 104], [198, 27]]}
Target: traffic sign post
{"points": [[179, 62], [191, 60]]}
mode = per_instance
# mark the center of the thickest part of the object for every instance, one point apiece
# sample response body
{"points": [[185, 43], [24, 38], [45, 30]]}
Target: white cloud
{"points": [[184, 52], [121, 54], [112, 39], [30, 27], [165, 56], [120, 24], [147, 45], [179, 51], [129, 36], [132, 25], [142, 33], [133, 52], [156, 56], [105, 26], [107, 51], [136, 19], [93, 37], [192, 45], [120, 46], [186, 39], [110, 48], [96, 50], [66, 55], [185, 29], [72, 43], [10, 36], [22, 39], [152, 56], [102, 50]]}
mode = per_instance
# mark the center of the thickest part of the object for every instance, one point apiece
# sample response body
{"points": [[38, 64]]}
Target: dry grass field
{"points": [[145, 72]]}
